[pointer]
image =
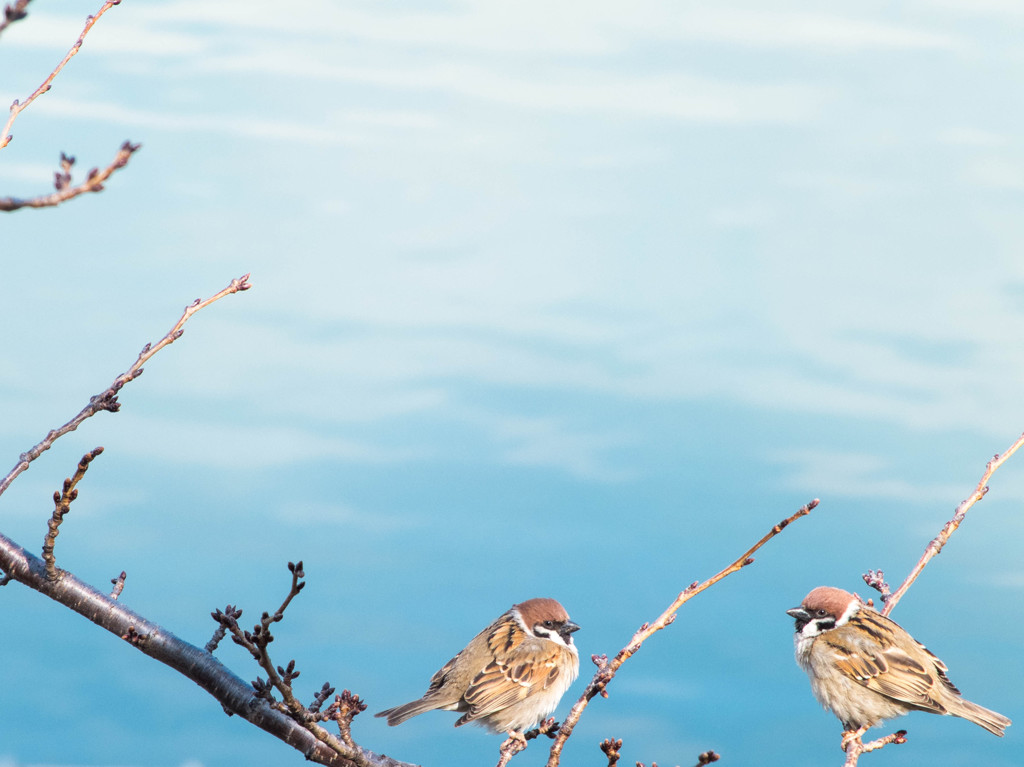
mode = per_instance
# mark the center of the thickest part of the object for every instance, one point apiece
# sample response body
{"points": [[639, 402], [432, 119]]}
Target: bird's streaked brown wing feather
{"points": [[516, 671], [911, 678]]}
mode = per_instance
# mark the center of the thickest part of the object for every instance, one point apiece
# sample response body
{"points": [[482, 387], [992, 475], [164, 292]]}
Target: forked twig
{"points": [[950, 527], [65, 191], [854, 746], [612, 748], [517, 741], [19, 106], [279, 679], [606, 669], [107, 399]]}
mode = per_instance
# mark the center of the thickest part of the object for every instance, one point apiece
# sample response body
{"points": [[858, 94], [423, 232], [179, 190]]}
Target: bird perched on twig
{"points": [[510, 676], [865, 668]]}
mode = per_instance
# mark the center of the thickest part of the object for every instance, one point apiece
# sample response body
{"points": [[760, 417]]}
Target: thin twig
{"points": [[62, 501], [950, 527], [118, 583], [19, 106], [65, 191], [107, 399], [612, 749], [606, 669], [854, 746], [13, 13], [225, 620], [708, 757], [345, 707], [876, 580], [852, 743]]}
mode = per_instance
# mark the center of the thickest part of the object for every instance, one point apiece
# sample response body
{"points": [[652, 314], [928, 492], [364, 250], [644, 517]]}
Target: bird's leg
{"points": [[515, 743], [850, 736], [516, 740]]}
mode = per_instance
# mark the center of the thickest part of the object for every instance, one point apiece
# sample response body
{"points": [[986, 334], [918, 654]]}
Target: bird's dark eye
{"points": [[549, 624], [821, 612]]}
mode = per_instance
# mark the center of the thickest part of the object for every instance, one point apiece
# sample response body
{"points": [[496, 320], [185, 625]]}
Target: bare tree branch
{"points": [[13, 13], [287, 720], [344, 708], [852, 739], [62, 505], [62, 182], [235, 695], [854, 747], [606, 669], [118, 584], [950, 527], [612, 748], [20, 106], [107, 399], [708, 757]]}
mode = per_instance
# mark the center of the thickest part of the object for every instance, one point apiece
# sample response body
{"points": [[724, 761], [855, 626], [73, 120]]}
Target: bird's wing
{"points": [[519, 668], [909, 674]]}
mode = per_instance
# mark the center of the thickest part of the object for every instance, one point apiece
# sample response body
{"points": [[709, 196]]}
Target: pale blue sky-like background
{"points": [[550, 299]]}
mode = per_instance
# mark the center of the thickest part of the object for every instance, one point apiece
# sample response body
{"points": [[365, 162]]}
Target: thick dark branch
{"points": [[62, 182], [235, 695], [107, 399]]}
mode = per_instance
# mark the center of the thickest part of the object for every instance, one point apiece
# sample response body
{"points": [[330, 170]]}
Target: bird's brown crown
{"points": [[828, 598], [534, 611]]}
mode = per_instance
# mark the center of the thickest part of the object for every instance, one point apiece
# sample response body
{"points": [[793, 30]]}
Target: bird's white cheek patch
{"points": [[848, 613]]}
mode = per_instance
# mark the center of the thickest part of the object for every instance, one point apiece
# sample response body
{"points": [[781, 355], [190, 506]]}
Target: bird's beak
{"points": [[566, 631], [799, 613]]}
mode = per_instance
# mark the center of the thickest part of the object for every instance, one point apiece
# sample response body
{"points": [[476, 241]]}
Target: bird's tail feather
{"points": [[990, 720], [399, 714]]}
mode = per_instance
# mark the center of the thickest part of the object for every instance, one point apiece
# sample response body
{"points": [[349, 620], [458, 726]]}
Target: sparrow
{"points": [[865, 668], [510, 676]]}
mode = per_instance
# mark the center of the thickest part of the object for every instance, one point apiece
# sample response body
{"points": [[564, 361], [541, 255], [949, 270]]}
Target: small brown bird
{"points": [[510, 676], [865, 668]]}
